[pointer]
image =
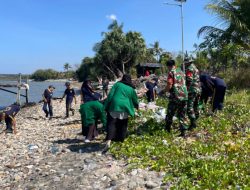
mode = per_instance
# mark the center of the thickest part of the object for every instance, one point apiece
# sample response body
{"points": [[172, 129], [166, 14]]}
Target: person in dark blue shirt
{"points": [[214, 87], [150, 85], [206, 87], [47, 99], [70, 96], [218, 93], [88, 93], [8, 115]]}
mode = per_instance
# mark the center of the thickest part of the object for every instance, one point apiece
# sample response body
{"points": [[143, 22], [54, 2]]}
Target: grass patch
{"points": [[216, 155]]}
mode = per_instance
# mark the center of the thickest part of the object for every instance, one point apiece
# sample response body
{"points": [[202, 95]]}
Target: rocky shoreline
{"points": [[51, 154]]}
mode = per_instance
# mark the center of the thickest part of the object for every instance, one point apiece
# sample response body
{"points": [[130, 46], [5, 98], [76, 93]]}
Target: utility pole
{"points": [[180, 4], [27, 91], [18, 100]]}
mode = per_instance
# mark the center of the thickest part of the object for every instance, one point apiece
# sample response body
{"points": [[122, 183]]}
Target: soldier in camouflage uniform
{"points": [[194, 92], [178, 97]]}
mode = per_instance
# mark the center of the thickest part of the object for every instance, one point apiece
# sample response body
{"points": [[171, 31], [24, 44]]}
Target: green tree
{"points": [[87, 69], [42, 75], [156, 50], [67, 66], [149, 56], [234, 18], [229, 44], [118, 52]]}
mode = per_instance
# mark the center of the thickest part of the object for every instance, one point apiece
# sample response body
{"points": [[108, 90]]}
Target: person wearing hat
{"points": [[70, 96], [194, 91], [178, 96], [47, 101], [8, 115]]}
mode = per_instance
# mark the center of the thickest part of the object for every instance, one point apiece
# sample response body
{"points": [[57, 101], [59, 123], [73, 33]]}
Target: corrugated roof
{"points": [[155, 65]]}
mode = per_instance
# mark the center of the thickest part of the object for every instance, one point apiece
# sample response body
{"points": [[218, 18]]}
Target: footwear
{"points": [[168, 123], [168, 128], [107, 146], [192, 125], [86, 140], [182, 134], [9, 131], [73, 112]]}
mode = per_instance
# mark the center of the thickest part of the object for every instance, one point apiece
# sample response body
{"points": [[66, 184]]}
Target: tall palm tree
{"points": [[156, 50], [233, 22], [66, 67]]}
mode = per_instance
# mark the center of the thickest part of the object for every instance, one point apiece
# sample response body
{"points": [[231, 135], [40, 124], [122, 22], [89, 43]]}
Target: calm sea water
{"points": [[35, 92]]}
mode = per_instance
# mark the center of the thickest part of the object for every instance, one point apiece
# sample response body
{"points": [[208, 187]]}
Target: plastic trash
{"points": [[54, 149], [32, 147], [165, 142], [160, 114], [152, 106]]}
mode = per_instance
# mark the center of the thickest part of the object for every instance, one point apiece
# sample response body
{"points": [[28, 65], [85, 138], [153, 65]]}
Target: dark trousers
{"points": [[204, 98], [47, 105], [90, 132], [69, 108], [116, 129], [218, 98], [8, 122], [150, 95]]}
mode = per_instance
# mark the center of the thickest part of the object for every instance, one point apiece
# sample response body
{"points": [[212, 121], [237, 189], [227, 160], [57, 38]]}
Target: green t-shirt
{"points": [[92, 111], [121, 98]]}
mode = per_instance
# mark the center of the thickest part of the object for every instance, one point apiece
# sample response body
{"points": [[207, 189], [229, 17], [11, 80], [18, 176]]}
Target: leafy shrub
{"points": [[238, 79], [41, 75], [216, 155]]}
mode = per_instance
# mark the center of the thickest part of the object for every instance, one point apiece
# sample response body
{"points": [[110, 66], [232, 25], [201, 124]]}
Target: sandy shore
{"points": [[51, 154]]}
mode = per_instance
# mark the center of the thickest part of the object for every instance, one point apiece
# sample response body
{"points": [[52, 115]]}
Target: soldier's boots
{"points": [[168, 124], [193, 125], [168, 127], [182, 134]]}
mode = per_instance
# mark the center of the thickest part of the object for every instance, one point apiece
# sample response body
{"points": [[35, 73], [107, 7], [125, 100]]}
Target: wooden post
{"points": [[18, 89], [27, 91]]}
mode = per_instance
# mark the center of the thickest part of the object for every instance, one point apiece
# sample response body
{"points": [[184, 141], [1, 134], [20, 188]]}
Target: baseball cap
{"points": [[170, 63], [51, 86], [67, 83]]}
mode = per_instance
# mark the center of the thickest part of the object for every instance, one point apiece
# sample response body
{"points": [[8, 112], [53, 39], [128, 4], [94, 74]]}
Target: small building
{"points": [[143, 67]]}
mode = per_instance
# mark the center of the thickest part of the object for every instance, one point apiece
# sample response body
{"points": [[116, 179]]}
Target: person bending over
{"points": [[8, 115]]}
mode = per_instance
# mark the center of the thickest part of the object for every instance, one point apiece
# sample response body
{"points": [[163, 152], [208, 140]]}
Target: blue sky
{"points": [[48, 33]]}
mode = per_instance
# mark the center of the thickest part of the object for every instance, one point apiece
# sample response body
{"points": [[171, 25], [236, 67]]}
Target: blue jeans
{"points": [[69, 107], [47, 105]]}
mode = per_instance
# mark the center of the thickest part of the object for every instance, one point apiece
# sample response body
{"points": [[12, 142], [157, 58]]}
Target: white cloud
{"points": [[111, 17]]}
